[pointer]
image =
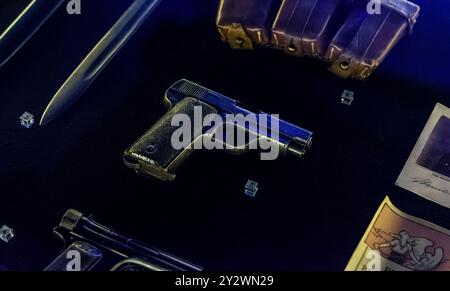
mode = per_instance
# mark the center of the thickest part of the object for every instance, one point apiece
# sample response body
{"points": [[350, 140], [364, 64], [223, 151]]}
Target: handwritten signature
{"points": [[429, 184]]}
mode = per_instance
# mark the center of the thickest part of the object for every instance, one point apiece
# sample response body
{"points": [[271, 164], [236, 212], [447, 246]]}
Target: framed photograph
{"points": [[427, 171]]}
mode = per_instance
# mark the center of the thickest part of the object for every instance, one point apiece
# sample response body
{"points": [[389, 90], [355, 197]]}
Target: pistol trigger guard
{"points": [[237, 150], [243, 148]]}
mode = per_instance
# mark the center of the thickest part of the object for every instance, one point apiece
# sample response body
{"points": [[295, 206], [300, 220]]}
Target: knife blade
{"points": [[98, 58]]}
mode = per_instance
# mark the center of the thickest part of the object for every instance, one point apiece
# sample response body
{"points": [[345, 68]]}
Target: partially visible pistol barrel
{"points": [[91, 244]]}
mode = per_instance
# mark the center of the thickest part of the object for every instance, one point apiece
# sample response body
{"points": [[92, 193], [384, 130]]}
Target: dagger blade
{"points": [[98, 58]]}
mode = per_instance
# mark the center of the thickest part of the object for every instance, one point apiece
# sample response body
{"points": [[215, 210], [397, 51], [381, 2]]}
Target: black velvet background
{"points": [[309, 214]]}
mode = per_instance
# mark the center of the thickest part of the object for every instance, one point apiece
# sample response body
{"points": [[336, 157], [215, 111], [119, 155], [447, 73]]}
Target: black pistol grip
{"points": [[153, 154]]}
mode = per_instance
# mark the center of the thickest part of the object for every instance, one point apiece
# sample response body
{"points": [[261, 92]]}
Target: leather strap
{"points": [[408, 9]]}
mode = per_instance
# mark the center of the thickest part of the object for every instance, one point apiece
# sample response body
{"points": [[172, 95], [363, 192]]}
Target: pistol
{"points": [[92, 246], [159, 151]]}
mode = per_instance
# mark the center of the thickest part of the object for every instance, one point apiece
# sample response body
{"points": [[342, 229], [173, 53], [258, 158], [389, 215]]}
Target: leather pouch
{"points": [[306, 27], [244, 23], [365, 39]]}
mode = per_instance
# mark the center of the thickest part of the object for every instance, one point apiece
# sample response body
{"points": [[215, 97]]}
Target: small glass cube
{"points": [[6, 233], [27, 120], [347, 97], [251, 188]]}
